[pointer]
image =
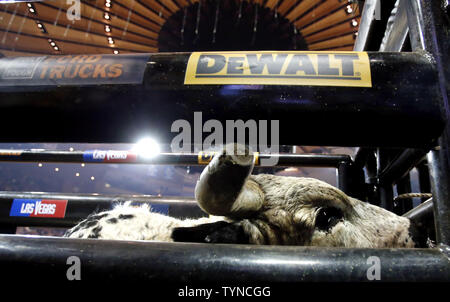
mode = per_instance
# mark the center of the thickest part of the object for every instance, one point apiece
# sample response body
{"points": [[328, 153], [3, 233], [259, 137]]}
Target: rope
{"points": [[412, 195]]}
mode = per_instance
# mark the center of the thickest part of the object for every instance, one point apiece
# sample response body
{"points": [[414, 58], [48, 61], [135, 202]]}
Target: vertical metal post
{"points": [[403, 205], [424, 179], [386, 192], [441, 197], [429, 30], [371, 171], [386, 196], [343, 175], [350, 179]]}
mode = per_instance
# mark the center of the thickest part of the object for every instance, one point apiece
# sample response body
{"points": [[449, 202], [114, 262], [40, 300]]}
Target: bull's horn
{"points": [[224, 189]]}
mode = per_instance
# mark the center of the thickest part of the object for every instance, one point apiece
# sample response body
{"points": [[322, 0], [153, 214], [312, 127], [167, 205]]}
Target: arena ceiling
{"points": [[127, 26]]}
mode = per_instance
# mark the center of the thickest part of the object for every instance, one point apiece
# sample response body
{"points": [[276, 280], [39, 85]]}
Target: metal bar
{"points": [[365, 25], [424, 178], [440, 188], [365, 158], [79, 206], [364, 164], [385, 191], [416, 24], [386, 195], [397, 28], [429, 26], [403, 186], [401, 166], [130, 157], [343, 177], [46, 258], [422, 212], [122, 113], [422, 219], [362, 156], [350, 179]]}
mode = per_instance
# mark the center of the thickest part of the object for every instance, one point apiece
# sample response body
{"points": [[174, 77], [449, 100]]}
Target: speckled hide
{"points": [[258, 209], [291, 206]]}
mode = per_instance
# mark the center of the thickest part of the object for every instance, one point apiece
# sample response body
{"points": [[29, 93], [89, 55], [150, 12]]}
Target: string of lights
{"points": [[108, 30], [41, 26]]}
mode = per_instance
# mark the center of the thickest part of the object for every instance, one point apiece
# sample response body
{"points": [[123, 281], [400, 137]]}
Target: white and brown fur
{"points": [[258, 209]]}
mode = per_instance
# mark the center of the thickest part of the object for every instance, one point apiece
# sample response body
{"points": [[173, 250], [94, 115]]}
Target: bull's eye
{"points": [[327, 218]]}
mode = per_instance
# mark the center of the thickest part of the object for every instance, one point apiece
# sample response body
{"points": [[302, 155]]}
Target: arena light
{"points": [[146, 147], [53, 44], [41, 27], [349, 9]]}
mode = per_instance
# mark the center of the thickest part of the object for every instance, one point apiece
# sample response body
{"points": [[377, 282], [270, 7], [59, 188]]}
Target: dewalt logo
{"points": [[279, 68]]}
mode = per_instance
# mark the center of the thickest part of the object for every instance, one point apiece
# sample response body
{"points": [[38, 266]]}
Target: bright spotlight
{"points": [[146, 147]]}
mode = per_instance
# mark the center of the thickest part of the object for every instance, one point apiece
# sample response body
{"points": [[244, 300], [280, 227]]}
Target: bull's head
{"points": [[268, 209]]}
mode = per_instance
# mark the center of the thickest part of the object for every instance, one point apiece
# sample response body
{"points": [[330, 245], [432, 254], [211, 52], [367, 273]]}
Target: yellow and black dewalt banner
{"points": [[279, 68]]}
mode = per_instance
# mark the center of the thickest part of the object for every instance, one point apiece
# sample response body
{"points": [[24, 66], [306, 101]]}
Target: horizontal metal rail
{"points": [[422, 212], [423, 218], [130, 157], [401, 166], [404, 96], [79, 206], [46, 258]]}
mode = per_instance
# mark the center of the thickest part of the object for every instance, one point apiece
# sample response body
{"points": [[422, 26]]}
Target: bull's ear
{"points": [[216, 232]]}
